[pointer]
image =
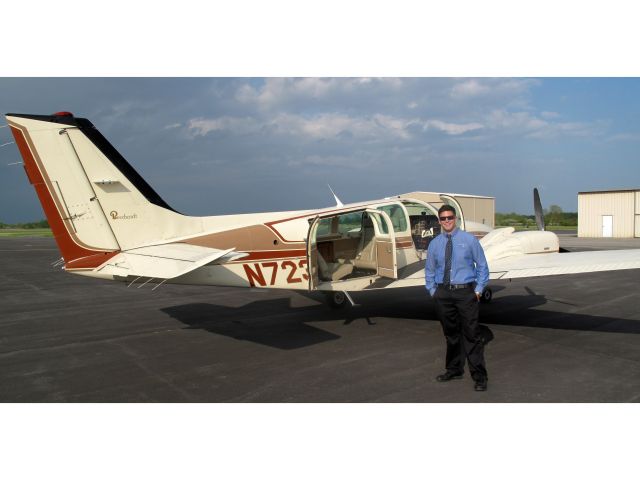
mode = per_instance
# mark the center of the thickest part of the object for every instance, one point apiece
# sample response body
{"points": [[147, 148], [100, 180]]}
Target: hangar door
{"points": [[607, 226]]}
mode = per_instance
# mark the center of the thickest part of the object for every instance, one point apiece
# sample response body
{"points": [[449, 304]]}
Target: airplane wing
{"points": [[163, 261], [538, 265], [564, 263]]}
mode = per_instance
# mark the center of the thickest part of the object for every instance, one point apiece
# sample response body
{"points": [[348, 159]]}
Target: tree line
{"points": [[29, 225], [553, 216]]}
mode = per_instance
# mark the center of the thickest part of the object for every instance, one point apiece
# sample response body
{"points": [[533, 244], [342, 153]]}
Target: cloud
{"points": [[452, 128], [510, 88], [321, 126], [469, 88], [532, 126], [298, 93], [624, 137], [328, 126], [278, 91], [238, 125], [549, 115]]}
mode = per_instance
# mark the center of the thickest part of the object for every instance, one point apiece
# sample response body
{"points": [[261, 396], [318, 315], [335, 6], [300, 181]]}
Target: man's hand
{"points": [[478, 296]]}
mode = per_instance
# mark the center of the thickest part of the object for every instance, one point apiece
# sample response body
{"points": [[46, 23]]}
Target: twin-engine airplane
{"points": [[109, 223]]}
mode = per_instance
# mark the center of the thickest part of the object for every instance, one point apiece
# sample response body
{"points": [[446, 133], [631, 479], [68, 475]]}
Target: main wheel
{"points": [[337, 299], [486, 296]]}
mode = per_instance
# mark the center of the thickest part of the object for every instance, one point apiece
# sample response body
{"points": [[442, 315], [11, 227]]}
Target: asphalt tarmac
{"points": [[65, 338]]}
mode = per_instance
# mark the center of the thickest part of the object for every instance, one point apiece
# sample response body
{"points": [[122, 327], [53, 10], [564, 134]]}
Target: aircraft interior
{"points": [[346, 243]]}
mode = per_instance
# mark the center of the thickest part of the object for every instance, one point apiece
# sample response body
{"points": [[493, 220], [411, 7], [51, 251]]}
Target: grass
{"points": [[547, 227], [25, 232]]}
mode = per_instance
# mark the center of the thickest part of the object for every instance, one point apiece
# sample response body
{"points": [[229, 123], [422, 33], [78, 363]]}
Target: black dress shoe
{"points": [[446, 376], [481, 385]]}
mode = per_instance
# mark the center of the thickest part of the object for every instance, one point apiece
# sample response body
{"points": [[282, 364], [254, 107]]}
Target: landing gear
{"points": [[338, 299], [486, 296]]}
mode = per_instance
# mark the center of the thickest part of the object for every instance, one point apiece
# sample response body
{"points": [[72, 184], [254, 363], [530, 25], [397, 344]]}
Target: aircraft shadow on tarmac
{"points": [[275, 323], [268, 322]]}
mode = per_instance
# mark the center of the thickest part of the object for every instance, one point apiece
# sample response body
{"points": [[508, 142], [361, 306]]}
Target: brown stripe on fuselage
{"points": [[273, 255], [258, 237], [244, 239], [71, 248]]}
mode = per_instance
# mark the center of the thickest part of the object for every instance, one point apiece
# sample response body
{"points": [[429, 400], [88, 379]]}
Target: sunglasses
{"points": [[444, 219]]}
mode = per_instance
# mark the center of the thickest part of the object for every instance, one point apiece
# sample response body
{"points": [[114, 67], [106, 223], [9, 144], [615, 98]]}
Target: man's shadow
{"points": [[275, 323]]}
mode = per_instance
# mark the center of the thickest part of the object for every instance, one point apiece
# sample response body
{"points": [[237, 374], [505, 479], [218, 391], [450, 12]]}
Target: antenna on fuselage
{"points": [[6, 144], [338, 202]]}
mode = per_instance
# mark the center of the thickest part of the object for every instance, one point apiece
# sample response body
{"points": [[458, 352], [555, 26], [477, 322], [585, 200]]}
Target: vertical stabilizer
{"points": [[95, 202]]}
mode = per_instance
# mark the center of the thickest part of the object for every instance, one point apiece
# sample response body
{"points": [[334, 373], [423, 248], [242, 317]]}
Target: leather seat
{"points": [[333, 271], [366, 252]]}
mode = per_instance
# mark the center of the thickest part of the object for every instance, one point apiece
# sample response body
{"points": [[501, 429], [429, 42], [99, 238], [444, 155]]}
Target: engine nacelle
{"points": [[506, 242]]}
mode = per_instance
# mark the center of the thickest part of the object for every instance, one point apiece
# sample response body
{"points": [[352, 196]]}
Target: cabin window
{"points": [[397, 216], [350, 223], [324, 227]]}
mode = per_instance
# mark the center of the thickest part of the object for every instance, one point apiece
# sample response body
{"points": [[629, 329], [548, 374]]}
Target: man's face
{"points": [[447, 221]]}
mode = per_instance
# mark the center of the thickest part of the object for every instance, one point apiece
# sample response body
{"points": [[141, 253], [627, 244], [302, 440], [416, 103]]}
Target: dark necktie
{"points": [[447, 261]]}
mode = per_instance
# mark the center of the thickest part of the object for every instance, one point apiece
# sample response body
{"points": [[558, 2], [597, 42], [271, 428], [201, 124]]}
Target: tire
{"points": [[486, 296], [337, 299]]}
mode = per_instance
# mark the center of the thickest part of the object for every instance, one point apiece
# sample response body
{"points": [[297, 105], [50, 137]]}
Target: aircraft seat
{"points": [[366, 252], [333, 271]]}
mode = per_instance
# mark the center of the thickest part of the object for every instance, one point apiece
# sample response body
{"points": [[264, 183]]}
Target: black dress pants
{"points": [[457, 311]]}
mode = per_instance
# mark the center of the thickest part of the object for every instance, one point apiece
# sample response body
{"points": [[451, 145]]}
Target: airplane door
{"points": [[449, 200], [385, 244], [312, 253]]}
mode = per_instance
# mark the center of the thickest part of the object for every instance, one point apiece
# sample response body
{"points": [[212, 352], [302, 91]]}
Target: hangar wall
{"points": [[478, 209], [475, 208], [614, 213]]}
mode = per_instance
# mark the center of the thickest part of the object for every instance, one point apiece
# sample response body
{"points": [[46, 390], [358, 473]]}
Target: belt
{"points": [[454, 286]]}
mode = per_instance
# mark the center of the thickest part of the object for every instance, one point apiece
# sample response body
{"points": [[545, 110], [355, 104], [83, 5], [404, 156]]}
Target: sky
{"points": [[213, 146]]}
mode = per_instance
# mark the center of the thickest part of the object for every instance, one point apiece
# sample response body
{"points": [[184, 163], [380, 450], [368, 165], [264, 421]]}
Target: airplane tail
{"points": [[95, 202]]}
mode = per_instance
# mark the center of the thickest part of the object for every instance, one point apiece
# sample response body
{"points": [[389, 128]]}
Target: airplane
{"points": [[109, 223]]}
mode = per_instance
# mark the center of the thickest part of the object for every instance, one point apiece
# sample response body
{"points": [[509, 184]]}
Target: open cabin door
{"points": [[449, 200], [312, 253], [385, 244], [375, 255]]}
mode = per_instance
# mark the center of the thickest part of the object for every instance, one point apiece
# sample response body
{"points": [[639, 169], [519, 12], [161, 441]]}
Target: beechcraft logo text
{"points": [[115, 216]]}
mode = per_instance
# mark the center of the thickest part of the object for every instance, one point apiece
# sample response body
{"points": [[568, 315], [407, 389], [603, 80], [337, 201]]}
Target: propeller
{"points": [[537, 207]]}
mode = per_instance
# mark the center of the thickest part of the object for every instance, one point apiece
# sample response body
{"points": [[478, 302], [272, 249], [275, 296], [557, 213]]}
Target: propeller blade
{"points": [[537, 208]]}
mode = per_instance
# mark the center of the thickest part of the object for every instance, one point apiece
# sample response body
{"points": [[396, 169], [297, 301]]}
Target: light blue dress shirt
{"points": [[468, 263]]}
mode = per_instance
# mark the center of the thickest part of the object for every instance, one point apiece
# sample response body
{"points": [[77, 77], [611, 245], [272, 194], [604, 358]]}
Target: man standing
{"points": [[456, 272]]}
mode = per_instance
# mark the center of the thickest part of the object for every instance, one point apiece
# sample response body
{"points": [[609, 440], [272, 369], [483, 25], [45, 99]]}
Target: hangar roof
{"points": [[622, 190]]}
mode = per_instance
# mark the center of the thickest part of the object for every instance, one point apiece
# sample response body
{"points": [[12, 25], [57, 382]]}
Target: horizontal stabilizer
{"points": [[164, 261]]}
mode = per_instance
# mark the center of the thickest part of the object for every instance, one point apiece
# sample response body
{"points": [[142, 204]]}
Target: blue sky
{"points": [[234, 145]]}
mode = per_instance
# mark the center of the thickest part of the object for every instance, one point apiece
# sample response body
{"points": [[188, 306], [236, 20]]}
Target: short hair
{"points": [[447, 208]]}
